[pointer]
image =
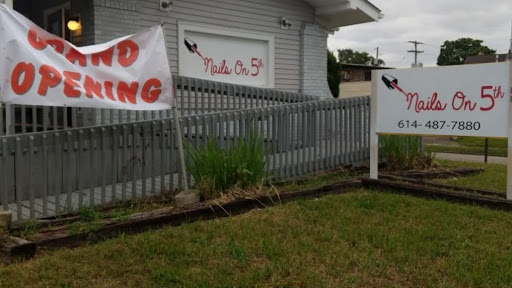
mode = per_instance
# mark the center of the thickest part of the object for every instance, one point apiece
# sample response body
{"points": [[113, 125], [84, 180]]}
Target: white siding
{"points": [[254, 15], [300, 52], [314, 61]]}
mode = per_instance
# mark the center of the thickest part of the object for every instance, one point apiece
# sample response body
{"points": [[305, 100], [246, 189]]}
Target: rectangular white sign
{"points": [[226, 55], [465, 100], [38, 68]]}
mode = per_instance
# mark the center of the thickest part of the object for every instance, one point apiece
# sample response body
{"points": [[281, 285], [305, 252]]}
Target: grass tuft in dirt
{"points": [[216, 169], [403, 153]]}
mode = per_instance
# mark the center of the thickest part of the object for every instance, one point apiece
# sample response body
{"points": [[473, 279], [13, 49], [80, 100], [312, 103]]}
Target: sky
{"points": [[431, 22]]}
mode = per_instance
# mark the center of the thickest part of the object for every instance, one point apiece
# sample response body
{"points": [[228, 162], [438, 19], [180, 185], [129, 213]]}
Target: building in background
{"points": [[356, 79], [480, 59]]}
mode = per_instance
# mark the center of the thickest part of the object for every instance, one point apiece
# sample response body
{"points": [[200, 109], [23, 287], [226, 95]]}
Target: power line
{"points": [[415, 51]]}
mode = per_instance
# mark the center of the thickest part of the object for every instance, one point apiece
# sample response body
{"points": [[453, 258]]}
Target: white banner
{"points": [[466, 100], [38, 68]]}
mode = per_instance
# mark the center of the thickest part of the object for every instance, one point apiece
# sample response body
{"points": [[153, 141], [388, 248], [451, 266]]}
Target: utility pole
{"points": [[415, 51], [415, 65], [510, 49], [377, 57]]}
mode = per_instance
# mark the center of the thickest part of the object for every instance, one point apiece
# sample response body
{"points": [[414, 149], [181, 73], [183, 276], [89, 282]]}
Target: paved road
{"points": [[471, 158]]}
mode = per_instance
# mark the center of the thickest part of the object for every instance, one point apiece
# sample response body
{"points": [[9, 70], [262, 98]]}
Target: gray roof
{"points": [[479, 59]]}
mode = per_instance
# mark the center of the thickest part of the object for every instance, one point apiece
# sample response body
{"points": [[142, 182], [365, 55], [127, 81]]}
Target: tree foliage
{"points": [[355, 57], [333, 74], [455, 52]]}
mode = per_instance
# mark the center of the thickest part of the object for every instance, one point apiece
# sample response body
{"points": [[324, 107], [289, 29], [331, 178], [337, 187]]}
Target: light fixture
{"points": [[166, 5], [285, 23], [74, 23]]}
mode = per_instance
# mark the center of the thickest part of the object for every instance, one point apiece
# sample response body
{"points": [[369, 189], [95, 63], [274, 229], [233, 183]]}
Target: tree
{"points": [[355, 57], [333, 74], [455, 52]]}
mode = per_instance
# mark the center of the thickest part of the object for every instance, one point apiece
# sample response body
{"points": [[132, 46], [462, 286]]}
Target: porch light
{"points": [[74, 23]]}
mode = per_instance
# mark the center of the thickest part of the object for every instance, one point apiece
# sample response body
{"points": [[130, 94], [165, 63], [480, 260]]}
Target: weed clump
{"points": [[403, 153], [216, 169]]}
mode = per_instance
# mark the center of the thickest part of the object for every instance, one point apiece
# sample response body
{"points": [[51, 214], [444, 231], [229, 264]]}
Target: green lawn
{"points": [[472, 145], [360, 239], [494, 176], [480, 142], [493, 151]]}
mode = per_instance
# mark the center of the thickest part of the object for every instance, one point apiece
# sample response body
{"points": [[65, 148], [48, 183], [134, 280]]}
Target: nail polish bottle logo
{"points": [[392, 83], [192, 47]]}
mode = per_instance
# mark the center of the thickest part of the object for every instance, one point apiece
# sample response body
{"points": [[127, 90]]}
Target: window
{"points": [[55, 20], [368, 76]]}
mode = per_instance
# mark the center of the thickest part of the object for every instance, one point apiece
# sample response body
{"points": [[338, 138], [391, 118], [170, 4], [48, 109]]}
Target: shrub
{"points": [[216, 169]]}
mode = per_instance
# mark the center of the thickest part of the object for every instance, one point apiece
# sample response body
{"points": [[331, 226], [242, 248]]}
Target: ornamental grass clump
{"points": [[216, 169], [403, 153]]}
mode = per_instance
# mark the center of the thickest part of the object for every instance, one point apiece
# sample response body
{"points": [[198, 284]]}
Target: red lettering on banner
{"points": [[105, 56], [23, 77], [73, 56], [50, 78], [148, 94], [28, 72], [109, 90], [35, 41], [128, 52], [92, 87], [70, 84], [57, 45], [125, 92], [127, 55]]}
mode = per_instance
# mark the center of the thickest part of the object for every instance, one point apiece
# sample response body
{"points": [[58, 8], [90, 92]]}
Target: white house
{"points": [[266, 43]]}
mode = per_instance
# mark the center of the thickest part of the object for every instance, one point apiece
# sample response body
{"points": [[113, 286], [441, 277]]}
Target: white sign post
{"points": [[465, 100], [509, 155]]}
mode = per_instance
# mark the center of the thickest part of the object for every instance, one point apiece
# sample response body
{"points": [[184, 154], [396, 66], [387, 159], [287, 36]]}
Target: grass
{"points": [[318, 179], [494, 176], [480, 142], [493, 151], [216, 169], [360, 239], [400, 152], [472, 145]]}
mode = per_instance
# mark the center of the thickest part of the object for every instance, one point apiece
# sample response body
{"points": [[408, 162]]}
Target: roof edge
{"points": [[339, 13]]}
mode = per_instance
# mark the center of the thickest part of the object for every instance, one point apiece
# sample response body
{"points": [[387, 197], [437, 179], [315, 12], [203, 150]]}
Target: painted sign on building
{"points": [[226, 55], [39, 68], [469, 100]]}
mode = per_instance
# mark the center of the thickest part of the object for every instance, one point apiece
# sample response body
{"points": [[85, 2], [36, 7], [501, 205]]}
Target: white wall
{"points": [[314, 61], [115, 17]]}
